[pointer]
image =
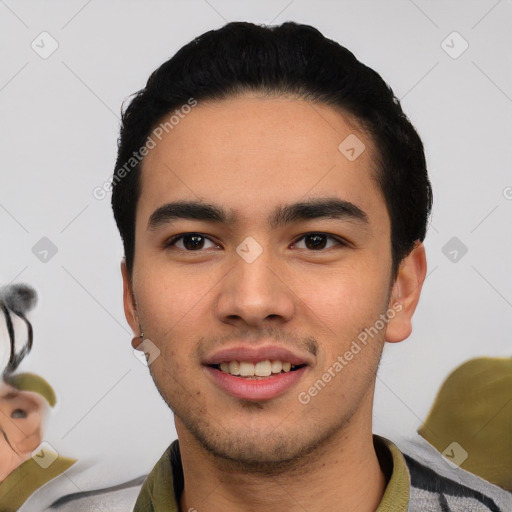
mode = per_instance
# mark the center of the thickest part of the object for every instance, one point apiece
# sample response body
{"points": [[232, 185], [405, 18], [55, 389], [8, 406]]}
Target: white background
{"points": [[59, 123]]}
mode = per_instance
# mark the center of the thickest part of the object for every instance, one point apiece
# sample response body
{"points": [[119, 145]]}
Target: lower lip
{"points": [[256, 389]]}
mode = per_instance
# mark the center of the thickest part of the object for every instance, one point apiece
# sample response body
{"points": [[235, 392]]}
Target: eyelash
{"points": [[340, 242]]}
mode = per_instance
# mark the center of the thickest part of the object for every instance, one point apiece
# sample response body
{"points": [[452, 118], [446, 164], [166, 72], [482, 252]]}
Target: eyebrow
{"points": [[324, 208]]}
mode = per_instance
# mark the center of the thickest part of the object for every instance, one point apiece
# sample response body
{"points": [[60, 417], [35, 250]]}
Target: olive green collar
{"points": [[162, 488], [396, 495], [27, 478]]}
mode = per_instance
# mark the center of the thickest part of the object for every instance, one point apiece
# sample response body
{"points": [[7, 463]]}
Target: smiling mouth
{"points": [[256, 371]]}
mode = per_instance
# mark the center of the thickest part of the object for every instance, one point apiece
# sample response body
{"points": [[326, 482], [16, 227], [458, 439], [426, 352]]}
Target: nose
{"points": [[255, 293]]}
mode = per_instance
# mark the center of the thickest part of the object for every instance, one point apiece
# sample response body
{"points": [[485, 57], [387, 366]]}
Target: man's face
{"points": [[249, 288]]}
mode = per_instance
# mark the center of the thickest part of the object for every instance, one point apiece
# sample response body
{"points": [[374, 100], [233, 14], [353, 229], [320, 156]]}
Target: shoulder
{"points": [[437, 484], [163, 483]]}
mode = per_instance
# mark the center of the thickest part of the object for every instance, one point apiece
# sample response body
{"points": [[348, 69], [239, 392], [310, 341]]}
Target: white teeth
{"points": [[260, 369], [234, 368], [246, 369], [277, 366], [263, 369]]}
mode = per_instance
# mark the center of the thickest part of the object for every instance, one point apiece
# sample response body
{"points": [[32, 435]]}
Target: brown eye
{"points": [[316, 241], [18, 414], [319, 241], [191, 242]]}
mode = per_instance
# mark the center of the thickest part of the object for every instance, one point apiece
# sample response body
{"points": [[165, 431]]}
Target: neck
{"points": [[344, 471]]}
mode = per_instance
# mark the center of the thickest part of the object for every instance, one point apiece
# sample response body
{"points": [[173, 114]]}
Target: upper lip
{"points": [[254, 354]]}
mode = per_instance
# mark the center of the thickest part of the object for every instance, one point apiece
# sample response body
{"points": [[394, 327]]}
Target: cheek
{"points": [[348, 297], [170, 297], [173, 303]]}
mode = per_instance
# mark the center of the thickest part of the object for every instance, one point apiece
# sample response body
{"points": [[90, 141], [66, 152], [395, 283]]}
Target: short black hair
{"points": [[288, 59]]}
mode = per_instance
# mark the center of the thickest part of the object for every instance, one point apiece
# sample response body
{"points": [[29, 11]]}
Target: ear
{"points": [[130, 309], [406, 293]]}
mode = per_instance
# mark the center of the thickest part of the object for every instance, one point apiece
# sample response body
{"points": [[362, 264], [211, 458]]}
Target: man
{"points": [[272, 199]]}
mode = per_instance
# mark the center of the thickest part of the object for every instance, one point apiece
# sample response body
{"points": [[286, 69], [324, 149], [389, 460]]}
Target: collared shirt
{"points": [[162, 489]]}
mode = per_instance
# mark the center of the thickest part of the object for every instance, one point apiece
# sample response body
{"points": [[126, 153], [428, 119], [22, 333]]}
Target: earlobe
{"points": [[406, 291]]}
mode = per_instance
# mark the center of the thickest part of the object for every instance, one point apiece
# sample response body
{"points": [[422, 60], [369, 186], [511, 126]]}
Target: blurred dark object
{"points": [[17, 299]]}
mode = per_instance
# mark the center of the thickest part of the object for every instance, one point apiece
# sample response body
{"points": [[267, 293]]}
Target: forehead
{"points": [[250, 153]]}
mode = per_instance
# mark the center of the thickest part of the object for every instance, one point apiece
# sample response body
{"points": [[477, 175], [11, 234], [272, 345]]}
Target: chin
{"points": [[268, 450], [255, 453]]}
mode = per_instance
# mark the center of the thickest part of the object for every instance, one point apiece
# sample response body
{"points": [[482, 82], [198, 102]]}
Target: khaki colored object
{"points": [[29, 477], [473, 408], [32, 382]]}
